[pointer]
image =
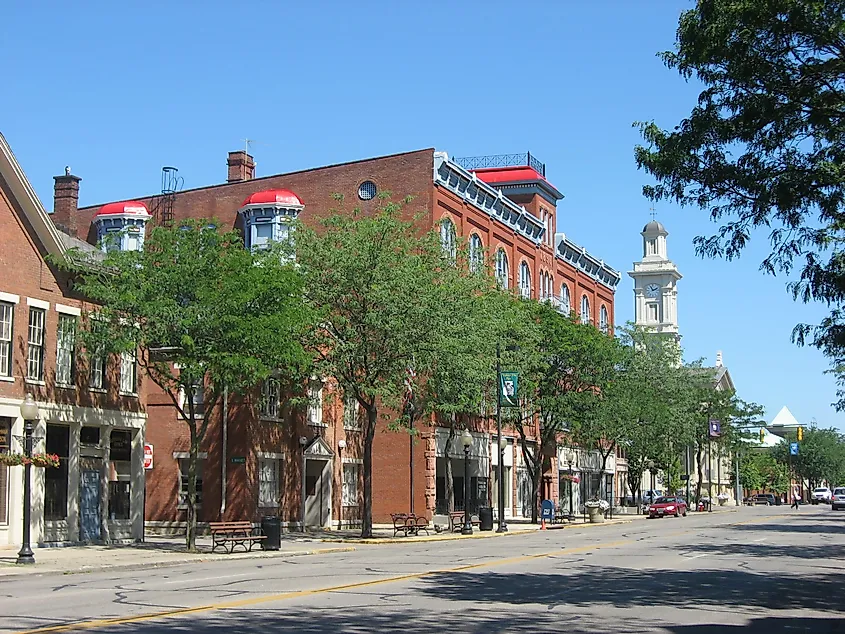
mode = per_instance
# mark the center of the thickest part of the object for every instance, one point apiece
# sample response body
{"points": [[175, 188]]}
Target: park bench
{"points": [[456, 521], [227, 535], [408, 524]]}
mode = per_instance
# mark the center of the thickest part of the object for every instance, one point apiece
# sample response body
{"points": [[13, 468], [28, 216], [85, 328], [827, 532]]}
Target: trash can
{"points": [[271, 526], [485, 518]]}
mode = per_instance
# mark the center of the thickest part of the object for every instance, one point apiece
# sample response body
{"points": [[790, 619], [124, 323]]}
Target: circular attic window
{"points": [[367, 190]]}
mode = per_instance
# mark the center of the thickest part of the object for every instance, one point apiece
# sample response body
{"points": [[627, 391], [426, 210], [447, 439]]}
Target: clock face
{"points": [[652, 290]]}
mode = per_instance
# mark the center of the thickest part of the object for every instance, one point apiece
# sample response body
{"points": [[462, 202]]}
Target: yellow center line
{"points": [[99, 623]]}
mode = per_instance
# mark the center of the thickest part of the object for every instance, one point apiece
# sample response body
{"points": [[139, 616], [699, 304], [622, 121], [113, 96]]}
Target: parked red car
{"points": [[667, 506]]}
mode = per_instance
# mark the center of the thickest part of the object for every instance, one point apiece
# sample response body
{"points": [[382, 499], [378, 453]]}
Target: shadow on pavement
{"points": [[622, 587], [407, 620], [815, 523], [807, 551], [768, 625]]}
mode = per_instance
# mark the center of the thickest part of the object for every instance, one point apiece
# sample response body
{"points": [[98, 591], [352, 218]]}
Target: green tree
{"points": [[820, 459], [375, 287], [765, 144], [203, 314]]}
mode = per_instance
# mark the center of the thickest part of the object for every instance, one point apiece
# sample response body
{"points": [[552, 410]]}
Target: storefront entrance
{"points": [[89, 506]]}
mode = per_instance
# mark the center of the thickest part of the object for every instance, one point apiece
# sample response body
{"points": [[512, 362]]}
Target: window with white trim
{"points": [[35, 345], [476, 253], [7, 312], [351, 471], [97, 370], [184, 463], [269, 480], [66, 350], [315, 403], [524, 280], [585, 310], [565, 303], [128, 373], [198, 397], [604, 323], [350, 413], [502, 268], [448, 238], [269, 407]]}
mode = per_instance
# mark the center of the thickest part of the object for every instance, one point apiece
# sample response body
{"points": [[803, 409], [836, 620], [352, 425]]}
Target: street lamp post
{"points": [[569, 462], [503, 444], [29, 413], [466, 441]]}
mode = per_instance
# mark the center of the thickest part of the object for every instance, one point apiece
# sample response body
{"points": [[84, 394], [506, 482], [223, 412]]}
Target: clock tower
{"points": [[655, 284]]}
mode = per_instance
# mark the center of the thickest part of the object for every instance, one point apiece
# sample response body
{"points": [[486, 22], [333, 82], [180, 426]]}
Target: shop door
{"points": [[89, 506]]}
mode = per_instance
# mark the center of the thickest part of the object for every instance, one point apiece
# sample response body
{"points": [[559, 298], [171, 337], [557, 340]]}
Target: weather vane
{"points": [[653, 213]]}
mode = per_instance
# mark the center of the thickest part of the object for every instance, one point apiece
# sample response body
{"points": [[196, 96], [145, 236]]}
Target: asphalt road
{"points": [[758, 570]]}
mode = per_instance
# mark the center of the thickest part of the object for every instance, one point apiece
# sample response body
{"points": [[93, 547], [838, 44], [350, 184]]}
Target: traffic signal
{"points": [[800, 434], [762, 435]]}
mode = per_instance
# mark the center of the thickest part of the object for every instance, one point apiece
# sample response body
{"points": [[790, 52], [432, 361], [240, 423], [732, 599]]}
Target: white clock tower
{"points": [[655, 283]]}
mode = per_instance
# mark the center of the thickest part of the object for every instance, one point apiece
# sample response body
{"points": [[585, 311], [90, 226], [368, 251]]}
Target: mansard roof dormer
{"points": [[122, 225], [268, 215]]}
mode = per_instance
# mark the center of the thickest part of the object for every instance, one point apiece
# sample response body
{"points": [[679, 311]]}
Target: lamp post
{"points": [[503, 444], [466, 441], [569, 462], [29, 413], [651, 491]]}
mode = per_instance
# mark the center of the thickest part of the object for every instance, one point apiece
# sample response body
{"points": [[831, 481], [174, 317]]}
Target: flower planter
{"points": [[723, 501]]}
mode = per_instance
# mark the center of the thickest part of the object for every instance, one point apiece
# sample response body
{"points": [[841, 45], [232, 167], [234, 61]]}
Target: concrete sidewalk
{"points": [[155, 552]]}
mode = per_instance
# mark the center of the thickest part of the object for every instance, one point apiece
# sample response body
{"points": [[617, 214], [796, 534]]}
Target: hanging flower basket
{"points": [[43, 460], [572, 478]]}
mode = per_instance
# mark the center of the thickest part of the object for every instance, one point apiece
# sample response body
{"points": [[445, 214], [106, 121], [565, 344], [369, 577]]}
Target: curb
{"points": [[14, 571]]}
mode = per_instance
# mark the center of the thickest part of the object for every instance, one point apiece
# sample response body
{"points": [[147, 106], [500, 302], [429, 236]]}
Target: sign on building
{"points": [[148, 456]]}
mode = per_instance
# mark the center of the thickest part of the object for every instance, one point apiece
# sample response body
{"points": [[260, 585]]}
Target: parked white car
{"points": [[837, 501], [821, 495]]}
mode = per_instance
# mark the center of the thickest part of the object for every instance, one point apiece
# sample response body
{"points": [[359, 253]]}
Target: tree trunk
{"points": [[367, 511], [700, 472], [191, 530], [634, 481], [450, 483]]}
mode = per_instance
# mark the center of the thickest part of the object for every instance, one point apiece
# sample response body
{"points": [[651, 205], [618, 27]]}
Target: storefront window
{"points": [[55, 479], [120, 474], [5, 435]]}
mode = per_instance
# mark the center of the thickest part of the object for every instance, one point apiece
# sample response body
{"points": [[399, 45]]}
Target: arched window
{"points": [[448, 239], [604, 324], [585, 310], [502, 268], [476, 253], [565, 304], [524, 280]]}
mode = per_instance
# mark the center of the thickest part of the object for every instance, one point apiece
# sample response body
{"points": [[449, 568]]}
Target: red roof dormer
{"points": [[273, 197], [125, 208]]}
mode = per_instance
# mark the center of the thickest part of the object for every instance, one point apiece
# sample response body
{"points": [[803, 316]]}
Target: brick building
{"points": [[265, 457], [91, 410]]}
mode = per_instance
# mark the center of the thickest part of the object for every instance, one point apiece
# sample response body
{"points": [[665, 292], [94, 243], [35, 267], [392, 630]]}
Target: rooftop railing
{"points": [[502, 160]]}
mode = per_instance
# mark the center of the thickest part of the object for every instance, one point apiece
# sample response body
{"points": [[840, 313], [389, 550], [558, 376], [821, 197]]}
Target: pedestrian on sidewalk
{"points": [[794, 498]]}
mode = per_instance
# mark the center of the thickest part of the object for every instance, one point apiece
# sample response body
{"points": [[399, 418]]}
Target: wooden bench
{"points": [[408, 524], [456, 521], [227, 535]]}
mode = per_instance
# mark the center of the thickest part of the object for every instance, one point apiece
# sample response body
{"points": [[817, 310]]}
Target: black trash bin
{"points": [[271, 526], [485, 518]]}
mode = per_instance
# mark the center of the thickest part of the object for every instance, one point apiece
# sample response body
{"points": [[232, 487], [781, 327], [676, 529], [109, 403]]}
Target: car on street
{"points": [[821, 495], [767, 499], [667, 506], [837, 499]]}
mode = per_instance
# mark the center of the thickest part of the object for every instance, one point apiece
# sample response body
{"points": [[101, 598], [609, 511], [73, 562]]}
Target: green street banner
{"points": [[509, 389]]}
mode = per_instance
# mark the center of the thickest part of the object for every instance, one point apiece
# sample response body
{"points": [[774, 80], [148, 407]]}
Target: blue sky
{"points": [[117, 90]]}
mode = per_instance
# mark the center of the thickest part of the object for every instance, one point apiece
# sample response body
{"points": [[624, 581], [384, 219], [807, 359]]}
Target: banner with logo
{"points": [[509, 389]]}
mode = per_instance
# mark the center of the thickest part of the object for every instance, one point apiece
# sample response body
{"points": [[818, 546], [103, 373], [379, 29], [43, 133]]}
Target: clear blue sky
{"points": [[117, 90]]}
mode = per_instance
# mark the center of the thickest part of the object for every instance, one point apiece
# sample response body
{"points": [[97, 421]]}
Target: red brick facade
{"points": [[248, 437]]}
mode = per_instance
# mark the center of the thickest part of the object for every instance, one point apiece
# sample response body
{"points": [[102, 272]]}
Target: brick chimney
{"points": [[241, 167], [66, 202]]}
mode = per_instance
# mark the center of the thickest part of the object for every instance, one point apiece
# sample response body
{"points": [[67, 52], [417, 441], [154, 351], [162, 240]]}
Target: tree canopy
{"points": [[764, 147], [200, 313]]}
